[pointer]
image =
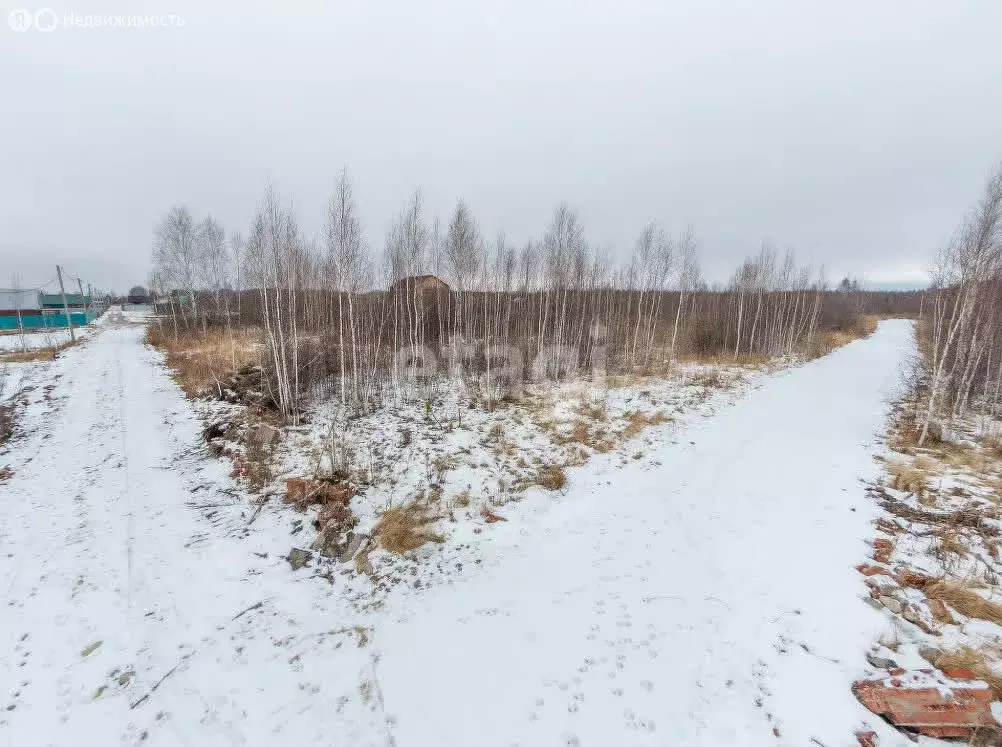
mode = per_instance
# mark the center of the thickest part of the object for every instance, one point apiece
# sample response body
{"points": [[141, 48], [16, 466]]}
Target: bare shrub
{"points": [[890, 639]]}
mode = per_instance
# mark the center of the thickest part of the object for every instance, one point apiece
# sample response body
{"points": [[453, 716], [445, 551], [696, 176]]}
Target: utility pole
{"points": [[20, 323], [66, 307], [83, 300]]}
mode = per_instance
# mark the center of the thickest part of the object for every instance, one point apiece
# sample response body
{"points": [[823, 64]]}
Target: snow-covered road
{"points": [[128, 556], [707, 600], [711, 601]]}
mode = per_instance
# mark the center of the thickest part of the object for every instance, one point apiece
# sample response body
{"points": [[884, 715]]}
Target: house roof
{"points": [[12, 299], [414, 278], [72, 299]]}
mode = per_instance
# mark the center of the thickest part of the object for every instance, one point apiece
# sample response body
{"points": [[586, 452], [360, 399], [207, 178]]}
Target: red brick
{"points": [[296, 490], [958, 673], [489, 516], [886, 526], [866, 738], [882, 549], [871, 694], [913, 579], [302, 492], [926, 709], [872, 570], [945, 731], [337, 514]]}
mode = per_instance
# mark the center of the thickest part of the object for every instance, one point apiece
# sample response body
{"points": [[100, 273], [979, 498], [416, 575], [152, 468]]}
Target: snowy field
{"points": [[41, 339], [462, 463], [703, 593]]}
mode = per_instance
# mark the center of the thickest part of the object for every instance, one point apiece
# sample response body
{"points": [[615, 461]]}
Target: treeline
{"points": [[337, 317], [962, 338]]}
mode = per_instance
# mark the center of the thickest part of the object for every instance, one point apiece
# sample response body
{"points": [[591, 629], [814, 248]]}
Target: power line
{"points": [[33, 287]]}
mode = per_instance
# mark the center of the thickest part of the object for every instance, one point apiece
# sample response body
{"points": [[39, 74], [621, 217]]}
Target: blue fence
{"points": [[46, 321]]}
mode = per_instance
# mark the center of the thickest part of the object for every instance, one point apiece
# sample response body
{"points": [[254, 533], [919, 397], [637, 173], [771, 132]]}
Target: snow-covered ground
{"points": [[460, 461], [704, 595], [41, 339]]}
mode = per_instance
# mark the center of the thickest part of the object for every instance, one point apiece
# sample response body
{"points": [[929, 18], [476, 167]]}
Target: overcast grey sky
{"points": [[855, 132]]}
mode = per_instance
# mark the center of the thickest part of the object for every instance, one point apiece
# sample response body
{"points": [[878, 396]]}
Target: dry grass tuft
{"points": [[966, 657], [444, 463], [363, 564], [965, 457], [965, 601], [577, 457], [41, 355], [258, 460], [621, 381], [751, 360], [905, 433], [405, 528], [594, 410], [582, 433], [908, 478], [890, 640], [29, 356], [866, 324], [950, 546], [709, 380], [993, 446], [6, 423], [200, 360], [462, 500], [832, 339], [637, 421], [552, 477]]}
